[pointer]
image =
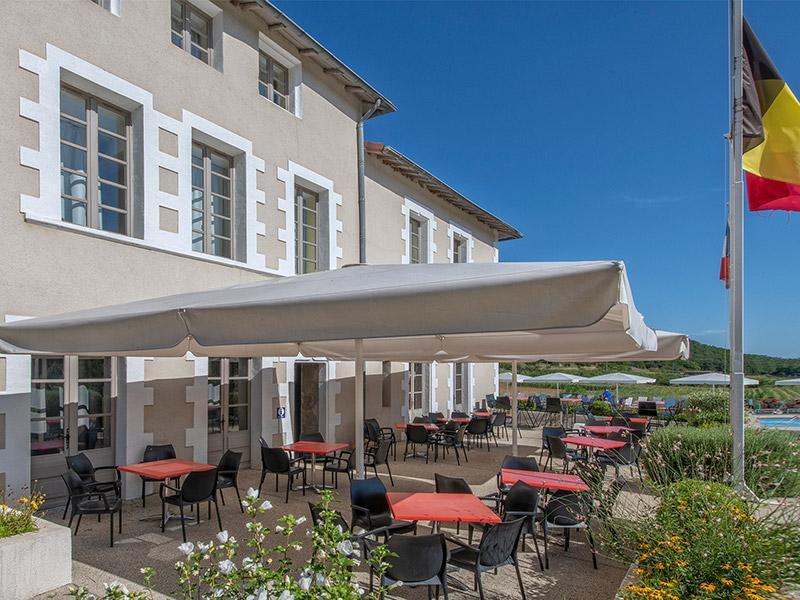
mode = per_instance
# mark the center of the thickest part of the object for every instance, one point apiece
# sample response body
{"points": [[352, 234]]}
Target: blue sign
{"points": [[281, 412]]}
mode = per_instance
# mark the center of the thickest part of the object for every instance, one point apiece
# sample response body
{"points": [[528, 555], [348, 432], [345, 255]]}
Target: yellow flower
{"points": [[681, 563], [769, 589], [726, 581], [708, 587], [745, 567], [725, 567]]}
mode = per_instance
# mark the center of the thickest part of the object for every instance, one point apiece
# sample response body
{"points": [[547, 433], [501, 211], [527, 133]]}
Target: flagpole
{"points": [[736, 222]]}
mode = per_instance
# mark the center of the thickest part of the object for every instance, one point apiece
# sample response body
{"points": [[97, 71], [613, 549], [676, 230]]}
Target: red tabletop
{"points": [[482, 414], [571, 400], [165, 469], [315, 447], [593, 442], [454, 420], [451, 508], [604, 429], [542, 479], [427, 426], [630, 419]]}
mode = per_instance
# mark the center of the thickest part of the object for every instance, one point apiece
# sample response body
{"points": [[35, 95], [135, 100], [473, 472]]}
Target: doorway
{"points": [[308, 380], [72, 411], [229, 408]]}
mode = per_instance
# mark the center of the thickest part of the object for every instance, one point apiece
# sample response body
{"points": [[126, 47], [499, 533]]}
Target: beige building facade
{"points": [[159, 147]]}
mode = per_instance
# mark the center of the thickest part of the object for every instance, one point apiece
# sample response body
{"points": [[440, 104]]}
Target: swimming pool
{"points": [[780, 422]]}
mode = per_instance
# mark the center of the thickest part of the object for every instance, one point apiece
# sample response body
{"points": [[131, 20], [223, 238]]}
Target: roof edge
{"points": [[278, 21], [403, 165]]}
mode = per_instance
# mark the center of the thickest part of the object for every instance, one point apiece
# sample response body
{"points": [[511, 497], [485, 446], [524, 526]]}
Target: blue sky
{"points": [[595, 128]]}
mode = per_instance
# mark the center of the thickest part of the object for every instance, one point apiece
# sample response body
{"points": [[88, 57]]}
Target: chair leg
{"points": [[221, 496], [289, 480], [66, 506], [519, 578], [261, 483], [405, 453], [183, 523], [120, 519], [458, 461], [198, 513], [209, 509], [480, 585], [536, 545], [219, 519], [591, 543], [388, 468], [163, 515], [238, 497], [111, 522], [276, 482], [566, 540], [78, 524], [144, 502], [546, 555]]}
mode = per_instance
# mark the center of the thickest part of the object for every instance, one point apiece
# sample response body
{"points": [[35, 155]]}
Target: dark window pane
{"points": [[309, 266], [214, 367], [199, 53], [73, 211], [47, 400], [47, 368], [94, 398], [237, 418], [221, 206], [214, 420], [94, 368], [112, 221], [73, 158], [111, 120], [47, 437], [73, 104], [111, 171], [221, 247], [113, 196], [197, 221], [177, 38], [73, 185], [263, 90], [280, 78], [238, 391], [238, 367], [111, 146], [220, 185], [197, 177], [73, 132], [220, 164], [197, 241], [94, 432], [197, 155]]}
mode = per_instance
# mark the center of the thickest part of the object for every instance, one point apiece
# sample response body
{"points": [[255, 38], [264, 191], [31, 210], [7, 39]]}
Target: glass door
{"points": [[228, 408], [418, 389]]}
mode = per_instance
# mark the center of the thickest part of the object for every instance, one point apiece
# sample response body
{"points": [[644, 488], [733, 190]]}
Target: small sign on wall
{"points": [[281, 412]]}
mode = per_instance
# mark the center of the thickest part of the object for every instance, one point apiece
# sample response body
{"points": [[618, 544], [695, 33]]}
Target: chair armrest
{"points": [[373, 532], [296, 460], [338, 459], [227, 472], [109, 468], [362, 511], [458, 542], [169, 487]]}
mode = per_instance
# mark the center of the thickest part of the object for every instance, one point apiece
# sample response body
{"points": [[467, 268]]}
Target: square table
{"points": [[640, 420], [593, 442], [603, 430], [440, 508], [314, 448], [544, 480], [427, 426], [162, 470], [459, 420]]}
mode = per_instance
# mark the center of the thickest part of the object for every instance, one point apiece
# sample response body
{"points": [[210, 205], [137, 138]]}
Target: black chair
{"points": [[552, 407], [498, 421], [434, 416], [550, 432], [375, 433], [417, 434], [626, 456], [619, 422], [478, 430], [371, 509], [415, 561], [317, 517], [263, 442], [498, 548], [458, 415], [451, 435], [199, 486], [375, 457], [451, 485], [518, 463], [567, 511], [277, 461], [228, 474], [82, 465], [88, 501], [558, 449], [308, 459], [344, 462], [648, 409], [151, 454]]}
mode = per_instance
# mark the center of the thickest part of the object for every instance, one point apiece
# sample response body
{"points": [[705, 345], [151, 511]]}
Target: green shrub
{"points": [[705, 408], [772, 458], [600, 408], [705, 542]]}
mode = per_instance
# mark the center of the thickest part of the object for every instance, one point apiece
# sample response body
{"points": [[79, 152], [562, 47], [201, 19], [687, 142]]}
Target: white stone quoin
{"points": [[36, 562]]}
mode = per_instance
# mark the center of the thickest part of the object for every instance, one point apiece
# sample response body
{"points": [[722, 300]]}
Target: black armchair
{"points": [[451, 436], [518, 463], [371, 509], [228, 475], [417, 434], [479, 428], [498, 548], [375, 433], [199, 486], [88, 501], [568, 511], [416, 561], [82, 465], [345, 463], [558, 449], [277, 461], [374, 457], [154, 453]]}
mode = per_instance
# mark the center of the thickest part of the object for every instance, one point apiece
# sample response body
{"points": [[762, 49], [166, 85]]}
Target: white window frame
{"points": [[412, 209], [287, 60], [425, 392], [112, 6], [453, 232]]}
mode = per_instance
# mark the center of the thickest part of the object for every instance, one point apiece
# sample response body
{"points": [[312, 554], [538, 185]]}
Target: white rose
{"points": [[266, 505], [252, 493], [222, 536], [225, 566], [187, 548]]}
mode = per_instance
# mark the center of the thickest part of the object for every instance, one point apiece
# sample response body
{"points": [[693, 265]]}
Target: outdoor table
{"points": [[571, 400], [439, 508], [544, 480], [593, 442], [630, 419], [162, 470], [603, 430], [482, 414], [427, 426], [454, 420], [314, 448]]}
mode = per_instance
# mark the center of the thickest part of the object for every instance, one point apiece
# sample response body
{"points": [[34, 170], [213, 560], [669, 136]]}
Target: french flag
{"points": [[725, 263]]}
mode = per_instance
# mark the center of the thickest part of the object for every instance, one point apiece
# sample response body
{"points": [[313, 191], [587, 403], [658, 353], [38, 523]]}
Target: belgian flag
{"points": [[771, 153]]}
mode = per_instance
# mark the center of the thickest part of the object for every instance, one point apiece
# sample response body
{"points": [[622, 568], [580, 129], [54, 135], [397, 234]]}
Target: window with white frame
{"points": [[307, 230], [111, 6], [417, 245], [273, 81], [459, 249], [95, 162], [212, 201], [417, 386], [191, 30], [460, 383]]}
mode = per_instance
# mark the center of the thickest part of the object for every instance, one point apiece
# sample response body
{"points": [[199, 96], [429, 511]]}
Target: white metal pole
{"points": [[736, 222], [359, 382], [514, 408]]}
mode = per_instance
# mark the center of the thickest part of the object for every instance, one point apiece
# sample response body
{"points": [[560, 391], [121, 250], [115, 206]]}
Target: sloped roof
{"points": [[426, 180], [276, 21]]}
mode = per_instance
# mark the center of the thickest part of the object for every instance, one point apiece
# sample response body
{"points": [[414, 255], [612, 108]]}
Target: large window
{"points": [[273, 81], [307, 228], [191, 30], [460, 374], [212, 201], [48, 429], [417, 386], [228, 394], [95, 163], [417, 247], [459, 249]]}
